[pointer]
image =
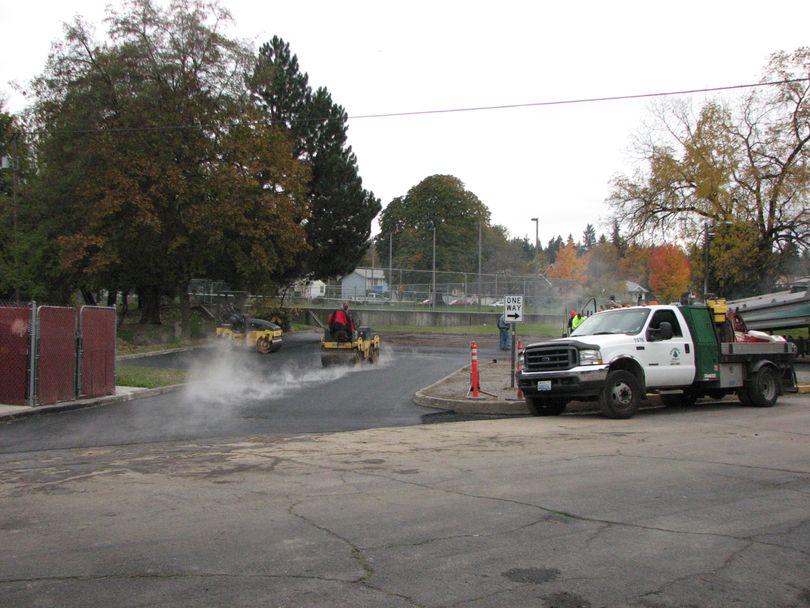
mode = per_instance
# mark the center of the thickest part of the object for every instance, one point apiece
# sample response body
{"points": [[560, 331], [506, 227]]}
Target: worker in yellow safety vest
{"points": [[577, 320]]}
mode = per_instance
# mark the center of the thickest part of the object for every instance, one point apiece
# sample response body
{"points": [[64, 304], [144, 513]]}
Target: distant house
{"points": [[635, 293], [310, 289], [361, 282]]}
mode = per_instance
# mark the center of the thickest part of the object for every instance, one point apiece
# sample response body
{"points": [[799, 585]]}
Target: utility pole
{"points": [[433, 302], [536, 235], [705, 259], [479, 265]]}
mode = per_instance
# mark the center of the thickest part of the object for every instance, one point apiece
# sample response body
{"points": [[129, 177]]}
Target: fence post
{"points": [[474, 385], [33, 356], [79, 352], [519, 368]]}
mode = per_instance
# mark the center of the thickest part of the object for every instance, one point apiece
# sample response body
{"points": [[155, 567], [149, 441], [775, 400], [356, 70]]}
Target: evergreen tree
{"points": [[341, 210], [554, 246], [589, 238], [617, 240]]}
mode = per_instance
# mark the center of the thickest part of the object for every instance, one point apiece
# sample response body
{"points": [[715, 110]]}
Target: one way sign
{"points": [[513, 309]]}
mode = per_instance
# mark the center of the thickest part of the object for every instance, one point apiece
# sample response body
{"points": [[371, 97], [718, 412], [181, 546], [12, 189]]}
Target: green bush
{"points": [[269, 310]]}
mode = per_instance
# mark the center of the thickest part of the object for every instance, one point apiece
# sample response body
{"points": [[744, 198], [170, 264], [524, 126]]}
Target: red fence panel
{"points": [[15, 327], [56, 377], [97, 326]]}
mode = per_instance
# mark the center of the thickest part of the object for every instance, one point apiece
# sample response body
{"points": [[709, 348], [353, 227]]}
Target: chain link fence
{"points": [[407, 288], [50, 354]]}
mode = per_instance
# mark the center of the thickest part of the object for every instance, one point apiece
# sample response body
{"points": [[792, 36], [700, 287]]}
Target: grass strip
{"points": [[148, 377]]}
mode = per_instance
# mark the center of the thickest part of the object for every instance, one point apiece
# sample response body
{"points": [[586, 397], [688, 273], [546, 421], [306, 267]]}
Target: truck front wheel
{"points": [[763, 389], [621, 396], [545, 407]]}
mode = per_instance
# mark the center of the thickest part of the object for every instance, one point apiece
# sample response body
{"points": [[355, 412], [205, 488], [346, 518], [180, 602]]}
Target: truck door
{"points": [[669, 362]]}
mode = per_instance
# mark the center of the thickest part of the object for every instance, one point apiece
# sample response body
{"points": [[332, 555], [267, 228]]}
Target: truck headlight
{"points": [[590, 357]]}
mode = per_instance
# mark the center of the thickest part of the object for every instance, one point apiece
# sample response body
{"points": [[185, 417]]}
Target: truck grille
{"points": [[550, 358]]}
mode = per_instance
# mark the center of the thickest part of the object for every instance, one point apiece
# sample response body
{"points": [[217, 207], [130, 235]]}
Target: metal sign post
{"points": [[513, 314]]}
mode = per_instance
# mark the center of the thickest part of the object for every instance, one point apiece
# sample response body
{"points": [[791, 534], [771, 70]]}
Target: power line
{"points": [[467, 109], [582, 100]]}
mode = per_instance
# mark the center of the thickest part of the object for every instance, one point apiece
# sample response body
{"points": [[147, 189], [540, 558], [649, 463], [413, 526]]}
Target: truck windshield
{"points": [[623, 321]]}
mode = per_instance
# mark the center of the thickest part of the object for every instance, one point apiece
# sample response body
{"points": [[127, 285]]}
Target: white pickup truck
{"points": [[617, 356]]}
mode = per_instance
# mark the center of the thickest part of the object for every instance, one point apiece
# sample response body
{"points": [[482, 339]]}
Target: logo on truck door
{"points": [[675, 354]]}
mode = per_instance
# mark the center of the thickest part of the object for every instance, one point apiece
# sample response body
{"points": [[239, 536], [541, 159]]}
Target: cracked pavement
{"points": [[674, 508]]}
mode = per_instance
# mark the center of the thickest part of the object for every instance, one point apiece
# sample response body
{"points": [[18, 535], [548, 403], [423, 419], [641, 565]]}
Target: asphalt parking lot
{"points": [[703, 506]]}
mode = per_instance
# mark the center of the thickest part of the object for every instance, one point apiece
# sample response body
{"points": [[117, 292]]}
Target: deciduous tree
{"points": [[439, 202], [153, 164], [634, 265], [749, 166], [669, 272], [568, 265]]}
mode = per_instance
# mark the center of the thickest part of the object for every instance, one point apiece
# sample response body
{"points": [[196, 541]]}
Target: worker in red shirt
{"points": [[341, 321]]}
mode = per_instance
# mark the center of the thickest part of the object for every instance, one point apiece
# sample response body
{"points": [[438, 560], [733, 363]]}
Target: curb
{"points": [[469, 406], [26, 411], [472, 407], [487, 407]]}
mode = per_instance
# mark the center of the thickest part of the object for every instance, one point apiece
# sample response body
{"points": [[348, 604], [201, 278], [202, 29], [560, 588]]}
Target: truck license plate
{"points": [[544, 385]]}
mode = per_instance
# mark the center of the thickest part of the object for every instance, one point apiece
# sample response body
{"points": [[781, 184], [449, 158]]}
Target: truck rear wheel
{"points": [[763, 389], [545, 407], [621, 396]]}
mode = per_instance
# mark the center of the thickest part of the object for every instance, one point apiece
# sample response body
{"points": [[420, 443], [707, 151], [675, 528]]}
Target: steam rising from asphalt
{"points": [[231, 377]]}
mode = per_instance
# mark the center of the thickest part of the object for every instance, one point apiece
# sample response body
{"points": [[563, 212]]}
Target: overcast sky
{"points": [[549, 162]]}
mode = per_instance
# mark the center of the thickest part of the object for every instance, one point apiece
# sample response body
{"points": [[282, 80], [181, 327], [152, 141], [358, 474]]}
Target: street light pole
{"points": [[434, 268], [536, 234], [479, 265], [706, 236]]}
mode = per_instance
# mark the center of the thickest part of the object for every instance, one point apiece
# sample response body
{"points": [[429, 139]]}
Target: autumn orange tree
{"points": [[669, 272], [568, 266]]}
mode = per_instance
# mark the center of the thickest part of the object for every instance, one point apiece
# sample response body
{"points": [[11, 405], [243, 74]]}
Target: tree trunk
{"points": [[124, 307], [124, 303], [185, 313], [88, 297], [149, 302]]}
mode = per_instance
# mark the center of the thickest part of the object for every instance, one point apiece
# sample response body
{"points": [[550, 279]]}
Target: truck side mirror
{"points": [[663, 332]]}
